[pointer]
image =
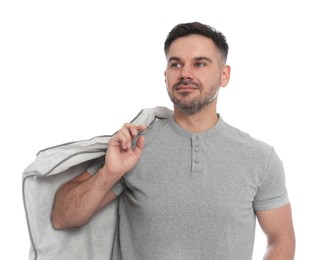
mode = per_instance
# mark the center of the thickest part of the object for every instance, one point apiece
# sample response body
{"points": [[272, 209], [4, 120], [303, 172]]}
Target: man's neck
{"points": [[199, 122]]}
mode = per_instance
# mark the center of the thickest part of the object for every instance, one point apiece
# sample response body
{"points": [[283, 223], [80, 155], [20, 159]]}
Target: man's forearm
{"points": [[284, 250], [76, 203]]}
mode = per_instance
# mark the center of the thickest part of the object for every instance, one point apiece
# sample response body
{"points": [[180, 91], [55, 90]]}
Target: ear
{"points": [[165, 76], [225, 76]]}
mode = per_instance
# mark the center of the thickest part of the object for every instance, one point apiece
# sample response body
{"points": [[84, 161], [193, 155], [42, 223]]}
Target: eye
{"points": [[175, 65], [200, 64]]}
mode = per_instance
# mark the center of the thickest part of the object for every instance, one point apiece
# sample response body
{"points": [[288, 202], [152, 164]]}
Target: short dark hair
{"points": [[185, 29]]}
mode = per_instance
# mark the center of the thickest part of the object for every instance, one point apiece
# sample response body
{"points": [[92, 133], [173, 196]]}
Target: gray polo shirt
{"points": [[194, 195]]}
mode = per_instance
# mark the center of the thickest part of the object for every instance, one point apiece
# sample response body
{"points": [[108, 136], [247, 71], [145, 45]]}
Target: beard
{"points": [[196, 104]]}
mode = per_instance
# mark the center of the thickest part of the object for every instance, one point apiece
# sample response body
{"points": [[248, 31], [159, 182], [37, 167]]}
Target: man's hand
{"points": [[120, 157]]}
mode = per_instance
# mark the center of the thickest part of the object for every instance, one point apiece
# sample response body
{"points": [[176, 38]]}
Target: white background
{"points": [[71, 70]]}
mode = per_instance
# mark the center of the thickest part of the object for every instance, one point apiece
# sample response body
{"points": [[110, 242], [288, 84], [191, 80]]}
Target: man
{"points": [[190, 186]]}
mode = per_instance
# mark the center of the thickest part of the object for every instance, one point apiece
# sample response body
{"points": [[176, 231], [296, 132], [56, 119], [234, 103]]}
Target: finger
{"points": [[123, 138], [127, 133], [139, 146], [134, 129], [126, 141]]}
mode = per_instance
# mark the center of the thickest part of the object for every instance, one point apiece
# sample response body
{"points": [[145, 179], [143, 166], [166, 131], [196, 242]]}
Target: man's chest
{"points": [[185, 177]]}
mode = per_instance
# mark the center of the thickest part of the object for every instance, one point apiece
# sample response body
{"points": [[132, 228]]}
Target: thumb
{"points": [[139, 145]]}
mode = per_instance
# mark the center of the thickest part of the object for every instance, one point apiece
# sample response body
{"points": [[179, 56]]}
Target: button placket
{"points": [[196, 156]]}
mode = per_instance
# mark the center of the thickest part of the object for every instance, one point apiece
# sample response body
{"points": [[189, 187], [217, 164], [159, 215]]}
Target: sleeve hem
{"points": [[271, 204], [117, 189]]}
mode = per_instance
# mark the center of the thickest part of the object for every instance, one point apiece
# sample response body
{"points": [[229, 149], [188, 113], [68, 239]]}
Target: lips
{"points": [[187, 87]]}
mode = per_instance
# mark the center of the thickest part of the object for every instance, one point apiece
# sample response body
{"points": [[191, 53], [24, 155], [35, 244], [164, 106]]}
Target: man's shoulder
{"points": [[147, 115], [244, 139], [157, 111]]}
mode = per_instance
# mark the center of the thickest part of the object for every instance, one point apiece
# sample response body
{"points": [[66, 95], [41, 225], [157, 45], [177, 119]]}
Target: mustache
{"points": [[185, 82]]}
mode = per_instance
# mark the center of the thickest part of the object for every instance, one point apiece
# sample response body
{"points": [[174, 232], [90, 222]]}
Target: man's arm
{"points": [[77, 201], [277, 224], [82, 197]]}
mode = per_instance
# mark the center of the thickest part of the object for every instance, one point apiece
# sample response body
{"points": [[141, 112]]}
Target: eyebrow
{"points": [[200, 58], [173, 58], [203, 58]]}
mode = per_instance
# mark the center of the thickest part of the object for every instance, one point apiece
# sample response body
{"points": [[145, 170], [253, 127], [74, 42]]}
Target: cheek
{"points": [[168, 80], [168, 84], [171, 74]]}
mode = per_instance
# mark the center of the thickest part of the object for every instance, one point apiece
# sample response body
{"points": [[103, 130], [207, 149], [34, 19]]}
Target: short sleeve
{"points": [[272, 192], [118, 187], [96, 165]]}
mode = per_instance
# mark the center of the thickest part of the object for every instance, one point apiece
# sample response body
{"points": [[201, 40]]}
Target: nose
{"points": [[186, 73]]}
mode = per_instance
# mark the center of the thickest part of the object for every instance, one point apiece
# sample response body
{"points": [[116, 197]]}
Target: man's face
{"points": [[194, 73]]}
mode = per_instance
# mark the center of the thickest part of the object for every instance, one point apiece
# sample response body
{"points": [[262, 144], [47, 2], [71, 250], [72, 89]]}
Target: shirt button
{"points": [[196, 161], [196, 149]]}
